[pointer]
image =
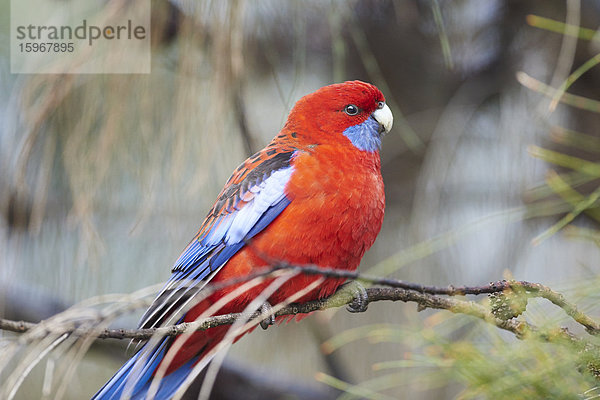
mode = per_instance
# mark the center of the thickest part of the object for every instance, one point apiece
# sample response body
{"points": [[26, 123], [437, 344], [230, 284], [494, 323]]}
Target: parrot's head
{"points": [[352, 112]]}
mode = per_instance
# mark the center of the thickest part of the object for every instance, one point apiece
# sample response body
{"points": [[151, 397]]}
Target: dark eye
{"points": [[380, 105], [351, 109]]}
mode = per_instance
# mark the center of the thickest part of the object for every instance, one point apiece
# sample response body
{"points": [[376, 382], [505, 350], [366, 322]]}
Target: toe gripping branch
{"points": [[360, 301], [267, 309]]}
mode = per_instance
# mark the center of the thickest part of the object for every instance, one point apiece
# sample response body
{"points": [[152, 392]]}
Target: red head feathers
{"points": [[352, 110]]}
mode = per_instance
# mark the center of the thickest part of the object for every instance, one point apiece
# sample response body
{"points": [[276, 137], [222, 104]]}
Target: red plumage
{"points": [[336, 211], [331, 212]]}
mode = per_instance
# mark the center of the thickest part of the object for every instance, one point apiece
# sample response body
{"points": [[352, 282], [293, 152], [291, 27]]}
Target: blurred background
{"points": [[105, 178]]}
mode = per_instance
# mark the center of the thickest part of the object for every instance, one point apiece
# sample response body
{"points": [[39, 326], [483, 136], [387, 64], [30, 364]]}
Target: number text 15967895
{"points": [[47, 47]]}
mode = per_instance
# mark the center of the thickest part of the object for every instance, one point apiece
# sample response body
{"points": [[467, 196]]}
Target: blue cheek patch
{"points": [[365, 136]]}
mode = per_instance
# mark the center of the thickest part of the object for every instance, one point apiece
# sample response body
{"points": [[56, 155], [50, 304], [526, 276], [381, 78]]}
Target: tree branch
{"points": [[424, 296], [424, 301]]}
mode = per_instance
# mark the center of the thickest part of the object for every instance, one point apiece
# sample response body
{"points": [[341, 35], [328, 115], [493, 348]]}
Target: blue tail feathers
{"points": [[139, 371]]}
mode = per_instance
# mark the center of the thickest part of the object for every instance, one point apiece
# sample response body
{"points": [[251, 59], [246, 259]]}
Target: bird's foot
{"points": [[360, 301], [267, 309]]}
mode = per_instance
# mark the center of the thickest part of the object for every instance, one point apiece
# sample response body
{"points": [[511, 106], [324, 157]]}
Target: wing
{"points": [[252, 198]]}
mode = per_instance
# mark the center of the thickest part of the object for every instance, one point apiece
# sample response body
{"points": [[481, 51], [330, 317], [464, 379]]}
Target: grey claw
{"points": [[266, 308], [360, 303]]}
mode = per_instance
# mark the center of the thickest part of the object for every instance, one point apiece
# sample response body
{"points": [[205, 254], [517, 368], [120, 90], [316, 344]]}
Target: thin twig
{"points": [[424, 301], [396, 290]]}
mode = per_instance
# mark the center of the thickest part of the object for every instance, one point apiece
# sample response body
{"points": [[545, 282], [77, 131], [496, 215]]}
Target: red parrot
{"points": [[314, 195]]}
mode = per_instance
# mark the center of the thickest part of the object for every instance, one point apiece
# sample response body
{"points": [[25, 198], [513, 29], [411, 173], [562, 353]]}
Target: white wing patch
{"points": [[235, 226]]}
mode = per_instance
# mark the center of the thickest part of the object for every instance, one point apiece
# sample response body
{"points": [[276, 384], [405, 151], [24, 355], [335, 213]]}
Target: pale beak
{"points": [[384, 117]]}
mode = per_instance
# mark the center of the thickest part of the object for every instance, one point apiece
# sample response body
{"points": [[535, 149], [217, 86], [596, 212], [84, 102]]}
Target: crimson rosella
{"points": [[314, 196]]}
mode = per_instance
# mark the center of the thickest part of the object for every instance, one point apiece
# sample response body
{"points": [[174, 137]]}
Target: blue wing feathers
{"points": [[256, 201]]}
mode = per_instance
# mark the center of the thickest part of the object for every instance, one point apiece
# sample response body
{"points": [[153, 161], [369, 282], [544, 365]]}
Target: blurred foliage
{"points": [[106, 177], [487, 362]]}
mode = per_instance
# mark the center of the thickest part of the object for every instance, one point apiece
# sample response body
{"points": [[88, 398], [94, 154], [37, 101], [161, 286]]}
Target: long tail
{"points": [[134, 378]]}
